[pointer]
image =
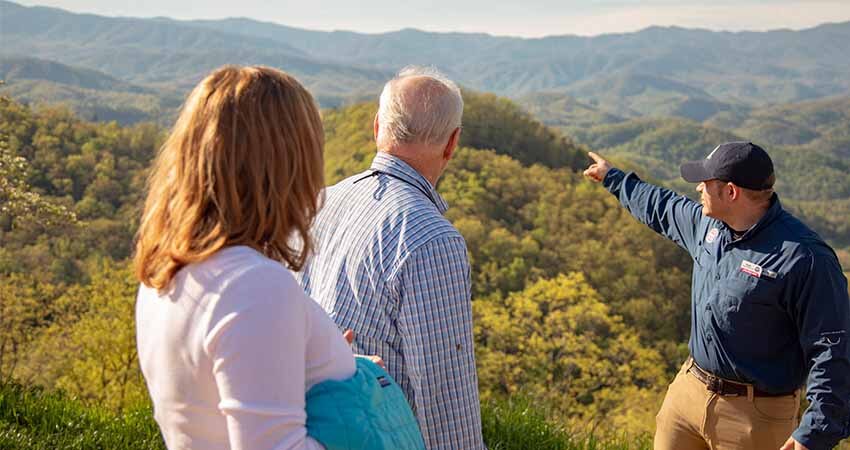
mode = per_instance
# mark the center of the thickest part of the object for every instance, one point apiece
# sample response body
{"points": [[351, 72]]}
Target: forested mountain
{"points": [[162, 54], [565, 112], [809, 142], [669, 70], [93, 95], [577, 306], [13, 68], [821, 125], [533, 230], [818, 125], [743, 66], [633, 94]]}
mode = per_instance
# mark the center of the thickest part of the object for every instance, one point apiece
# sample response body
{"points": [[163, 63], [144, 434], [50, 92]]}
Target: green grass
{"points": [[35, 419], [518, 424]]}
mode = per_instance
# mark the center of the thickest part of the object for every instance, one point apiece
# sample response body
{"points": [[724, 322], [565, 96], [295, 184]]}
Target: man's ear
{"points": [[375, 127], [451, 145], [733, 191]]}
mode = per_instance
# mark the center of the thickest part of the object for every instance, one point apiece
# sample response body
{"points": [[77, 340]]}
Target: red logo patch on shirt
{"points": [[712, 235], [751, 269]]}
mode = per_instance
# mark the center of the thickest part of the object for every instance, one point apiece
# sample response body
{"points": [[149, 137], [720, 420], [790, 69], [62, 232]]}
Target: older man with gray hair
{"points": [[390, 267]]}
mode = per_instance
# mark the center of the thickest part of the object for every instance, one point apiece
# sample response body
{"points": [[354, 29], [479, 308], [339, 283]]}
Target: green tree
{"points": [[24, 312], [90, 348], [557, 341], [18, 201]]}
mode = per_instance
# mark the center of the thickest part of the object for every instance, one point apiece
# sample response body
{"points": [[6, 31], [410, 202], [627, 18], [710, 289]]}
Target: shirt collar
{"points": [[773, 212], [395, 166]]}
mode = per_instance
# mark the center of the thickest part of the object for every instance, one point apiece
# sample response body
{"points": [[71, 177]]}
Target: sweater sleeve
{"points": [[258, 354]]}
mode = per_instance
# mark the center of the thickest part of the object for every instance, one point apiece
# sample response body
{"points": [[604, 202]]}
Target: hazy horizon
{"points": [[534, 18]]}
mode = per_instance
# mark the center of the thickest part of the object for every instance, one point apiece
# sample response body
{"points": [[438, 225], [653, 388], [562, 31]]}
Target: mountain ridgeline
{"points": [[667, 70], [489, 122]]}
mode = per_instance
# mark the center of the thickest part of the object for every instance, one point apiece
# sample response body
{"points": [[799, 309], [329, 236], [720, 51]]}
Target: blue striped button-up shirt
{"points": [[389, 266]]}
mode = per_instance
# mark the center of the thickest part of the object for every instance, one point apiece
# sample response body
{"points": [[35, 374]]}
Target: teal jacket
{"points": [[365, 412]]}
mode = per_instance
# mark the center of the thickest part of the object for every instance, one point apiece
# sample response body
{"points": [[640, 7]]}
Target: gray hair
{"points": [[427, 115]]}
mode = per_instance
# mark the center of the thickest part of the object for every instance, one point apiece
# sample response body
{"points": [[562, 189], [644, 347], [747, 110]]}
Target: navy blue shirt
{"points": [[769, 308]]}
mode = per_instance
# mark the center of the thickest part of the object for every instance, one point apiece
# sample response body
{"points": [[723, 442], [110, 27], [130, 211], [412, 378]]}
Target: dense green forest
{"points": [[577, 307], [67, 294]]}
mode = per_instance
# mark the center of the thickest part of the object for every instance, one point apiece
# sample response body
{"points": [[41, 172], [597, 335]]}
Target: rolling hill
{"points": [[91, 94], [162, 54], [14, 68], [818, 125], [670, 70]]}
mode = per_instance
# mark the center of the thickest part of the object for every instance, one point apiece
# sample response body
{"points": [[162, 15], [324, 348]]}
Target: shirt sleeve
{"points": [[666, 212], [435, 321], [822, 313], [258, 355]]}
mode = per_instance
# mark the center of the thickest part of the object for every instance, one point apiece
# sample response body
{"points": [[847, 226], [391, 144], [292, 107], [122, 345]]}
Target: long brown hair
{"points": [[242, 166]]}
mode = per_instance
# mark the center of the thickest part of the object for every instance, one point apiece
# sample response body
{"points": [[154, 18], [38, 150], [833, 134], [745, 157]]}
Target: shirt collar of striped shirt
{"points": [[384, 162]]}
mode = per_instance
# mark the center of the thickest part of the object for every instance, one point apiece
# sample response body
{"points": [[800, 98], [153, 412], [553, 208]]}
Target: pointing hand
{"points": [[598, 169]]}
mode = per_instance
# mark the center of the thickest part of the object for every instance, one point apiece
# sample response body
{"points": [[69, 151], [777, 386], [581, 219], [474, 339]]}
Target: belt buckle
{"points": [[715, 384]]}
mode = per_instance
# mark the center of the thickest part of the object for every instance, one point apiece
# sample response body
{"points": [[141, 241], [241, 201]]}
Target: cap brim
{"points": [[695, 172]]}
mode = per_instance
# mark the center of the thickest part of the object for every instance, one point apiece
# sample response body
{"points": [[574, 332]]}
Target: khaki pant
{"points": [[694, 418]]}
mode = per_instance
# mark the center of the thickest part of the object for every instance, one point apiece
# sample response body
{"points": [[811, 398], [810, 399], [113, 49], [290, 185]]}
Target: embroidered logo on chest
{"points": [[712, 235], [751, 269]]}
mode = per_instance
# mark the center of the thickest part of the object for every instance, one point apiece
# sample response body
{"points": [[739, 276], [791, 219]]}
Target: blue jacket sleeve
{"points": [[822, 311], [668, 213]]}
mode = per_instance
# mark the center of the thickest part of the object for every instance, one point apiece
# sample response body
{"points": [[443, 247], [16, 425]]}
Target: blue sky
{"points": [[529, 18]]}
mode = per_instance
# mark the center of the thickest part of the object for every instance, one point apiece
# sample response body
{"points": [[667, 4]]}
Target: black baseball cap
{"points": [[743, 163]]}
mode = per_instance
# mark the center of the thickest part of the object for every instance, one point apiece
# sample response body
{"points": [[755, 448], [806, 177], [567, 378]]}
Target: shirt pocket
{"points": [[751, 290], [751, 316]]}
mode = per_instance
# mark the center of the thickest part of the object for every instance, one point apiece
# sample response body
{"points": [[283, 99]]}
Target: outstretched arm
{"points": [[666, 212]]}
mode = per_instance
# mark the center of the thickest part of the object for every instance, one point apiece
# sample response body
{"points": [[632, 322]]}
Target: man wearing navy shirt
{"points": [[769, 310]]}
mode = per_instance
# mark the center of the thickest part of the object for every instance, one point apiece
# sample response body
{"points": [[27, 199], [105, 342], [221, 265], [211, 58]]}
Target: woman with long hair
{"points": [[228, 342]]}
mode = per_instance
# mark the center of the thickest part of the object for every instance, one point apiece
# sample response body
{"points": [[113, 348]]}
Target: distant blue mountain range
{"points": [[619, 71]]}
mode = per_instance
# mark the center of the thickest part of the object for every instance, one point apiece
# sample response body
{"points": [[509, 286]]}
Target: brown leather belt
{"points": [[723, 386]]}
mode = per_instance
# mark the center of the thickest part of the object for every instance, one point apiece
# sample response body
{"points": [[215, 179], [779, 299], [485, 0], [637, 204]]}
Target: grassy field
{"points": [[34, 419], [515, 425]]}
